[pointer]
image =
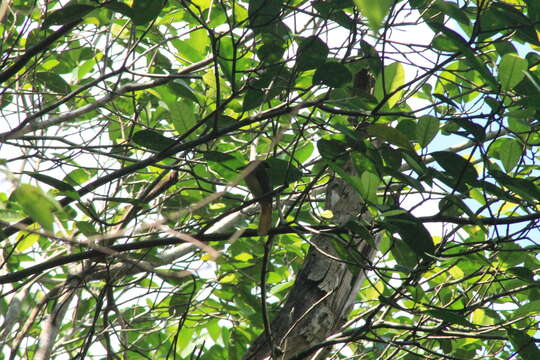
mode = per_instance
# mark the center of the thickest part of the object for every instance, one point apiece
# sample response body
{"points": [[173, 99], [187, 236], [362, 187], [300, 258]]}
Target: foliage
{"points": [[126, 126]]}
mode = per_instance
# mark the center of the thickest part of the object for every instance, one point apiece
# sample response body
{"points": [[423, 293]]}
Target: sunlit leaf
{"points": [[426, 129], [86, 228], [37, 204], [511, 70], [508, 150], [368, 185], [374, 11], [389, 134], [387, 85], [25, 241], [469, 54]]}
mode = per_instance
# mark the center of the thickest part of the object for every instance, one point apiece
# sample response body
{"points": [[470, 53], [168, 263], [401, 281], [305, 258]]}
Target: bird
{"points": [[258, 183]]}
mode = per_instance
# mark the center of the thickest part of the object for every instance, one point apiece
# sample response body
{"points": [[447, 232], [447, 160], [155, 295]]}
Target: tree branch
{"points": [[36, 49]]}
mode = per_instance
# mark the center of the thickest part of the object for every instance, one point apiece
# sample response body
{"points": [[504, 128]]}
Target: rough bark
{"points": [[324, 290]]}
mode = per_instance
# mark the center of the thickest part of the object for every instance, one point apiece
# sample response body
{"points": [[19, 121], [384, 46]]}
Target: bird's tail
{"points": [[265, 220]]}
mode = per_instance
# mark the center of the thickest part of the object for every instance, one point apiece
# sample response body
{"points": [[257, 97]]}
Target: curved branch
{"points": [[483, 221], [90, 254], [36, 49], [281, 109]]}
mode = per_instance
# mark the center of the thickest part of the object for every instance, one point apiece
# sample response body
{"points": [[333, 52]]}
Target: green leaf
{"points": [[281, 172], [404, 254], [331, 149], [220, 157], [145, 11], [36, 204], [530, 309], [214, 329], [271, 52], [533, 10], [374, 11], [426, 129], [304, 152], [510, 17], [67, 14], [53, 81], [253, 98], [226, 55], [471, 128], [394, 77], [78, 176], [312, 52], [25, 241], [443, 43], [182, 89], [522, 187], [407, 127], [389, 134], [152, 140], [188, 51], [523, 344], [415, 162], [450, 316], [263, 13], [507, 150], [185, 338], [452, 10], [119, 7], [452, 205], [455, 166], [361, 160], [333, 74], [512, 70], [404, 178], [359, 227], [346, 252], [470, 56], [523, 273], [49, 180], [182, 115], [179, 303], [368, 187], [86, 228], [226, 165], [412, 232]]}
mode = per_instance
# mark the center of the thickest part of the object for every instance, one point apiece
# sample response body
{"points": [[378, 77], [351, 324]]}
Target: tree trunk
{"points": [[325, 289]]}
